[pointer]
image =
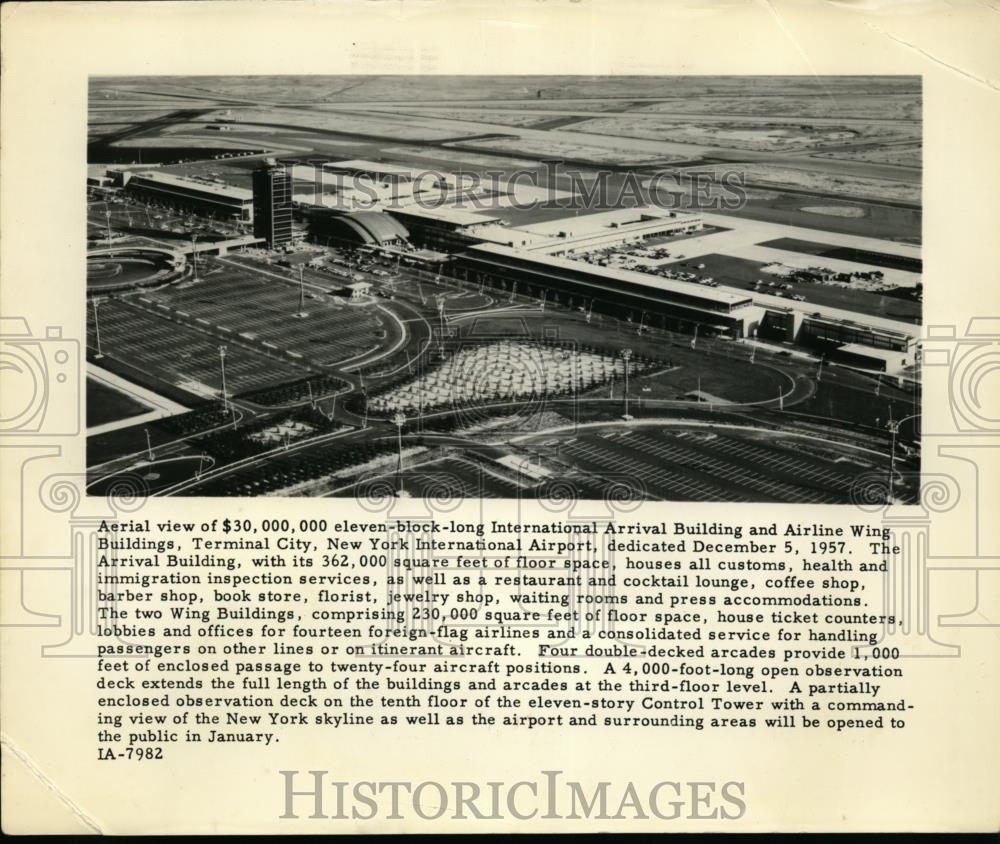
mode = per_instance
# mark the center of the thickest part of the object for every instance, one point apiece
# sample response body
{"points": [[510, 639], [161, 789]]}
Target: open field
{"points": [[106, 404], [736, 134], [571, 149], [879, 221], [905, 155], [802, 178], [489, 89], [904, 107]]}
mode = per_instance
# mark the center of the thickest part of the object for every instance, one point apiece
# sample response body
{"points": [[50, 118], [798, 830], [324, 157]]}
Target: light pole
{"points": [[97, 330], [400, 420], [893, 429], [194, 254], [302, 295], [222, 364], [626, 355]]}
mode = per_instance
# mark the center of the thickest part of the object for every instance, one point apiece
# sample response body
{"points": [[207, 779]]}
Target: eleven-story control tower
{"points": [[272, 203]]}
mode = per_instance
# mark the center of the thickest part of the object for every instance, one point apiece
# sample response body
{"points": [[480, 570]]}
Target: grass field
{"points": [[881, 221], [129, 440], [106, 404], [152, 477]]}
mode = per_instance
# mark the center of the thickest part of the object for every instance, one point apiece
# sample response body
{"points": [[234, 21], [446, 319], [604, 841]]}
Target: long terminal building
{"points": [[678, 304], [197, 195]]}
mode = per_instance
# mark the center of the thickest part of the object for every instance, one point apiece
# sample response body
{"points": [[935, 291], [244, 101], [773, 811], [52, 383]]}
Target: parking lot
{"points": [[179, 354], [265, 309], [679, 465]]}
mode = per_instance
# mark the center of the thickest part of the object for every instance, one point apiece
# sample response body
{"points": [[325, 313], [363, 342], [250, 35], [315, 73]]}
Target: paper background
{"points": [[943, 772]]}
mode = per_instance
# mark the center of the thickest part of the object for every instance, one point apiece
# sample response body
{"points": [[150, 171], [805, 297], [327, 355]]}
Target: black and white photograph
{"points": [[375, 412], [672, 288]]}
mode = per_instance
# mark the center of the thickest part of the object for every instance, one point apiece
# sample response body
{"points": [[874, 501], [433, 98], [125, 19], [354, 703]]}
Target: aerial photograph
{"points": [[552, 288]]}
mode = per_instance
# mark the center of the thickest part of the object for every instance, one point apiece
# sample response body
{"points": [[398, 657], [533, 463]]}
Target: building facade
{"points": [[210, 198], [623, 293]]}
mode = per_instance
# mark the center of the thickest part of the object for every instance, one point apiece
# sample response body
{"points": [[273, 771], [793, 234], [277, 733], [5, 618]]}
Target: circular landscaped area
{"points": [[119, 269]]}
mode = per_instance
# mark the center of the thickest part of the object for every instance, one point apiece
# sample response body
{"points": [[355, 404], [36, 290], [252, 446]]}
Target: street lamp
{"points": [[194, 254], [302, 295], [222, 363], [626, 355], [894, 430], [97, 329], [400, 420]]}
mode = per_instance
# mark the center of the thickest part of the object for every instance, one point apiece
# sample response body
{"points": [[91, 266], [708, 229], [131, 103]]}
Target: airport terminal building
{"points": [[458, 228], [197, 195], [623, 293]]}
